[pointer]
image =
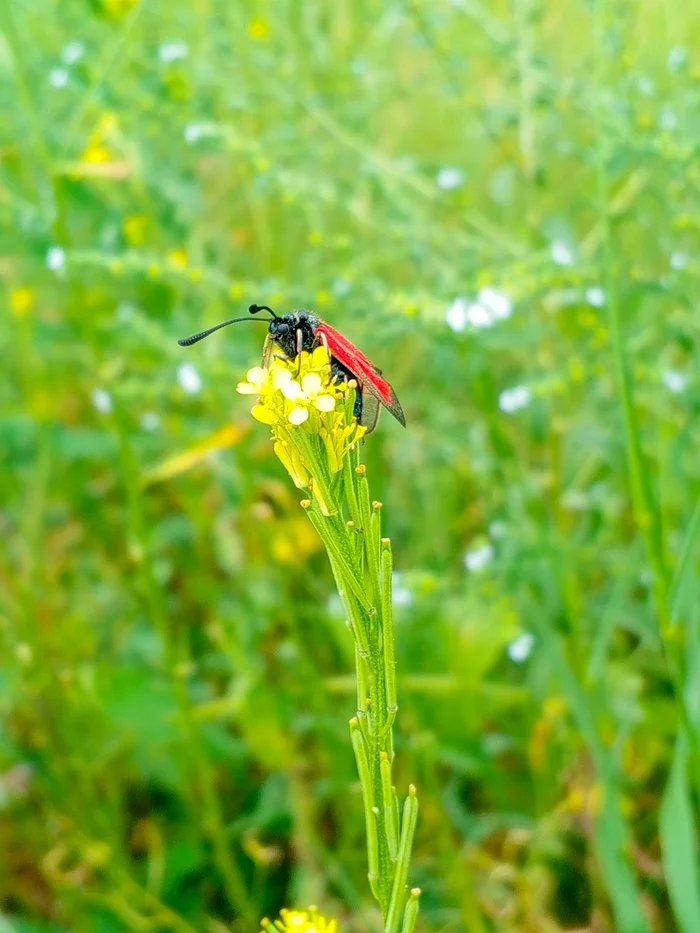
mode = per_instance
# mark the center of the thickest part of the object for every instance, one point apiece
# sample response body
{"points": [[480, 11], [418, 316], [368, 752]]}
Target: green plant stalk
{"points": [[362, 565], [408, 827], [410, 914]]}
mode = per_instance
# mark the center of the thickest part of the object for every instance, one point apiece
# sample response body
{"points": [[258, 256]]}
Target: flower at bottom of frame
{"points": [[301, 921]]}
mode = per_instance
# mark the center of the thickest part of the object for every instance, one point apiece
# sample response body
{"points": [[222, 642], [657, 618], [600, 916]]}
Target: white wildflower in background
{"points": [[335, 606], [512, 400], [403, 596], [668, 119], [173, 51], [102, 401], [125, 312], [646, 85], [457, 314], [497, 529], [496, 303], [679, 260], [677, 58], [562, 254], [521, 649], [576, 500], [490, 307], [72, 52], [674, 380], [189, 378], [479, 558], [449, 178], [55, 258], [58, 77], [595, 296], [149, 421], [193, 132]]}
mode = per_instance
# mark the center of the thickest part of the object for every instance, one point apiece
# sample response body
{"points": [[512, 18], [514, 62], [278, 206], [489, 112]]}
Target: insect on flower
{"points": [[304, 331]]}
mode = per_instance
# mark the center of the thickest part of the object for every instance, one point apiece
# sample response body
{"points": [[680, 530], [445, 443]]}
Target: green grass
{"points": [[175, 672]]}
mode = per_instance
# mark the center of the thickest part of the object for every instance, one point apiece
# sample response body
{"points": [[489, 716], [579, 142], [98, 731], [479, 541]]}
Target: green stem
{"points": [[388, 617], [389, 801], [363, 576], [358, 746], [398, 892], [410, 914]]}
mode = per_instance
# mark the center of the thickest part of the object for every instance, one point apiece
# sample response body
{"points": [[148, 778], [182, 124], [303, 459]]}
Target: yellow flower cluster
{"points": [[98, 150], [310, 416], [118, 8], [282, 397], [300, 921]]}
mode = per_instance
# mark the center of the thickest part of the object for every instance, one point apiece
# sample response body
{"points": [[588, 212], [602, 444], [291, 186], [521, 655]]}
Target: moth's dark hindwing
{"points": [[370, 410]]}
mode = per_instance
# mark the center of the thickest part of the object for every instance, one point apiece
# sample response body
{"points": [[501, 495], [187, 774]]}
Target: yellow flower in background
{"points": [[21, 301], [135, 228], [97, 150], [300, 921], [258, 28], [178, 258], [96, 153], [118, 8]]}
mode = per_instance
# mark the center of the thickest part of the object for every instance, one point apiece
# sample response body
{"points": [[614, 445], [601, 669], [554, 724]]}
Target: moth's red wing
{"points": [[362, 369]]}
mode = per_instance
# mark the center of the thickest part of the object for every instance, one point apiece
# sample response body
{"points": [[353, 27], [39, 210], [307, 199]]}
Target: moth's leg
{"points": [[324, 342], [338, 372], [299, 347], [267, 352], [357, 411]]}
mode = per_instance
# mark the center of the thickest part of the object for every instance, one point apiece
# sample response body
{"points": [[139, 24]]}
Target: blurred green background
{"points": [[499, 203]]}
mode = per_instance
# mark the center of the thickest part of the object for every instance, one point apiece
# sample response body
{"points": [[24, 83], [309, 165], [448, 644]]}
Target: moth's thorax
{"points": [[284, 330]]}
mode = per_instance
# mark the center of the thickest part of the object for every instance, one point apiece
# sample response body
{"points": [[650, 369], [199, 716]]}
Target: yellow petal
{"points": [[325, 403], [247, 388], [280, 376], [298, 415], [256, 375], [292, 391], [319, 358], [311, 383], [264, 414]]}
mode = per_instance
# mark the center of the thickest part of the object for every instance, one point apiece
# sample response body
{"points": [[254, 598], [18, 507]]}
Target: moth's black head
{"points": [[291, 332], [281, 326], [285, 332]]}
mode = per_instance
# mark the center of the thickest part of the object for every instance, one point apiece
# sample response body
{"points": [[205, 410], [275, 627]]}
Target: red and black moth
{"points": [[303, 330]]}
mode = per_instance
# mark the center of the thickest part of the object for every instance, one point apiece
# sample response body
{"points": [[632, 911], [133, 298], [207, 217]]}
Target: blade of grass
{"points": [[679, 843], [684, 566], [612, 836]]}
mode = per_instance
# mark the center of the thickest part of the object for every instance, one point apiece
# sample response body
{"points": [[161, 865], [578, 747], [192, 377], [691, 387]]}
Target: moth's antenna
{"points": [[188, 341], [255, 308]]}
